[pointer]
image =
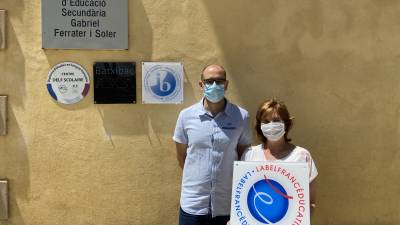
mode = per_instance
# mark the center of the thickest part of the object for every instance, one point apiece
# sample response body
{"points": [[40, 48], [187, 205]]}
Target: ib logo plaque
{"points": [[162, 83], [68, 83], [270, 193]]}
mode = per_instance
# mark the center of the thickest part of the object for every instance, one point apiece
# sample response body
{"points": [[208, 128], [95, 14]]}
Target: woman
{"points": [[273, 123]]}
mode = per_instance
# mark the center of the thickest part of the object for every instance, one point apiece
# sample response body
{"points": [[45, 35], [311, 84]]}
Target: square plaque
{"points": [[114, 82], [73, 24], [162, 83], [2, 28]]}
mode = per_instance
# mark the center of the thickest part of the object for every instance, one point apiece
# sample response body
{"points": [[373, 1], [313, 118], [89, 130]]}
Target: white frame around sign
{"points": [[150, 72], [246, 174]]}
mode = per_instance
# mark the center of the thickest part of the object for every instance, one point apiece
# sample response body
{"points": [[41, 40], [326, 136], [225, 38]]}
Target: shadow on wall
{"points": [[12, 60], [142, 119], [18, 7], [125, 119], [14, 164], [259, 41], [139, 119], [15, 168]]}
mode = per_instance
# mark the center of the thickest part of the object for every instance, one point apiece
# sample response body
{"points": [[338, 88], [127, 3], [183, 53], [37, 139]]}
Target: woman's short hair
{"points": [[278, 108]]}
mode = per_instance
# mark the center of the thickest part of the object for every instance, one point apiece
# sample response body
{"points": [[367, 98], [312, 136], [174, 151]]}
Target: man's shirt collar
{"points": [[226, 110]]}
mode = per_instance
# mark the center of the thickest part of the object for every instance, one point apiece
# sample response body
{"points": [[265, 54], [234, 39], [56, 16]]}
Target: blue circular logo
{"points": [[165, 84], [268, 201]]}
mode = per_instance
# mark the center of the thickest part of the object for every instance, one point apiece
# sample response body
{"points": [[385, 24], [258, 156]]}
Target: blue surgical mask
{"points": [[214, 93]]}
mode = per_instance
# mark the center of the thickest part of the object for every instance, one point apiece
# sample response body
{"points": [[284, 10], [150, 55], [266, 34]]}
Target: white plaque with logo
{"points": [[68, 82], [270, 193], [162, 83]]}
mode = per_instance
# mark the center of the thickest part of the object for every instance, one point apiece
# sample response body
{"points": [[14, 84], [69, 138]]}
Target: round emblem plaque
{"points": [[68, 82]]}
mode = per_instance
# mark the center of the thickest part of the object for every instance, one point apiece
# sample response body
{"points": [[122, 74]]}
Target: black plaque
{"points": [[114, 82]]}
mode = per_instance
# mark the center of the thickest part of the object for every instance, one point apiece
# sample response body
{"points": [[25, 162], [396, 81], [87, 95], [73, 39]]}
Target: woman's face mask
{"points": [[273, 131]]}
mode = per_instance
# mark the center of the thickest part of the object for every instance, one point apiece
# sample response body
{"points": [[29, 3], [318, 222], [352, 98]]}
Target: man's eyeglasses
{"points": [[211, 81]]}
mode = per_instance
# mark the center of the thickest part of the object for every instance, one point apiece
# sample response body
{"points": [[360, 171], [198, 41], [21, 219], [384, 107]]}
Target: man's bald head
{"points": [[213, 69]]}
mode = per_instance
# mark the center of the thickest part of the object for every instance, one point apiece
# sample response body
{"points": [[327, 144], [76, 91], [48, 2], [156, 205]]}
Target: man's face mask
{"points": [[214, 92], [273, 131]]}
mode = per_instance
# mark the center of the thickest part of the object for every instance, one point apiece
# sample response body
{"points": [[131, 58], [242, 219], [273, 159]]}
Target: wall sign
{"points": [[2, 29], [114, 82], [162, 83], [270, 193], [68, 83], [85, 24]]}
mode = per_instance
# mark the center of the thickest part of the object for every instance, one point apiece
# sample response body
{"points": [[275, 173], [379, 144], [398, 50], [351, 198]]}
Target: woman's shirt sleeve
{"points": [[311, 165]]}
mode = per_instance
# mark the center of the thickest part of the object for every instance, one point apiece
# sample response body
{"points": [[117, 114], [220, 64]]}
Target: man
{"points": [[209, 136]]}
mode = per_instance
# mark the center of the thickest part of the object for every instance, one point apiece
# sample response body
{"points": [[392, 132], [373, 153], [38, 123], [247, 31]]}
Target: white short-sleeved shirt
{"points": [[212, 148], [298, 154]]}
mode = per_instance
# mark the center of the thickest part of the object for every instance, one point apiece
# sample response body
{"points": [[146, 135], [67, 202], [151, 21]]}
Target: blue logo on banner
{"points": [[166, 84], [268, 201]]}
